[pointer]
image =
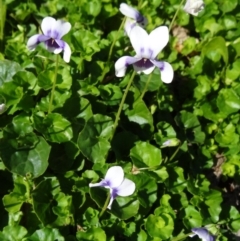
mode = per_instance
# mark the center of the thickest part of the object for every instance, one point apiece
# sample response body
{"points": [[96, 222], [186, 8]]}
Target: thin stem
{"points": [[174, 17], [54, 86], [115, 39], [122, 102], [182, 237], [146, 85], [2, 22], [175, 153], [105, 205]]}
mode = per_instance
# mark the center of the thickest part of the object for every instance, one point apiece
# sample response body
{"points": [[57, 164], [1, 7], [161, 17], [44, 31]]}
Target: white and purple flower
{"points": [[134, 17], [118, 185], [203, 234], [53, 31], [147, 47]]}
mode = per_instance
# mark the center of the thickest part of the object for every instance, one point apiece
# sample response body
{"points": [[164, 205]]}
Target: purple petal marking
{"points": [[60, 43], [51, 43], [114, 193], [55, 34], [159, 64], [144, 64]]}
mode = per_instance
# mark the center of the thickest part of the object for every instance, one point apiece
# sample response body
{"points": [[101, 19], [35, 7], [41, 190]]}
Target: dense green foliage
{"points": [[47, 160]]}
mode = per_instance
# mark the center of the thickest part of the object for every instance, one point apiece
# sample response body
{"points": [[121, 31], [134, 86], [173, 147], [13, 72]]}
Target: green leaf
{"points": [[144, 154], [13, 233], [46, 234], [7, 70], [160, 226], [228, 101], [140, 114], [92, 234], [27, 161], [13, 201], [93, 139], [192, 217], [54, 127], [217, 46], [227, 5], [188, 119], [56, 205]]}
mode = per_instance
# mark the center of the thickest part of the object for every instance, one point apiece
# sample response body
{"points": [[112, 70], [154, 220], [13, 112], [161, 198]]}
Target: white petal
{"points": [[66, 49], [147, 71], [166, 70], [139, 39], [127, 188], [130, 11], [2, 108], [47, 25], [122, 64], [35, 40], [66, 53], [114, 176], [99, 184], [129, 24], [193, 7], [110, 203], [158, 39], [60, 29]]}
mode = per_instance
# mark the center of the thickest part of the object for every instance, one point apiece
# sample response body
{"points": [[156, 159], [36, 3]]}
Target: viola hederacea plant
{"points": [[147, 48], [118, 185], [134, 17], [203, 234], [53, 31]]}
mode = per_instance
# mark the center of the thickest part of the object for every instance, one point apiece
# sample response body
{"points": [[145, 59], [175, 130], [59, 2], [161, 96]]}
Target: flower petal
{"points": [[131, 12], [99, 184], [158, 39], [139, 39], [144, 65], [194, 7], [203, 234], [66, 49], [35, 40], [47, 25], [110, 203], [60, 29], [67, 53], [129, 24], [114, 176], [2, 108], [166, 70], [127, 188], [122, 64]]}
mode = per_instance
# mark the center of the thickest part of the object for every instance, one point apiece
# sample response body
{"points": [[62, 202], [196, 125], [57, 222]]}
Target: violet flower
{"points": [[203, 234], [134, 17], [194, 7], [53, 31], [147, 48], [118, 185]]}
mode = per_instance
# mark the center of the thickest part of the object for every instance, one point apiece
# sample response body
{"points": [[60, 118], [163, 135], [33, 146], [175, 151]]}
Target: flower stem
{"points": [[115, 39], [2, 22], [175, 15], [122, 102], [146, 86], [54, 86], [105, 205], [175, 153]]}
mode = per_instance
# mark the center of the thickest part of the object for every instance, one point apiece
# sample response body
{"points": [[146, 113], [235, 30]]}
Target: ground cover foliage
{"points": [[179, 143]]}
